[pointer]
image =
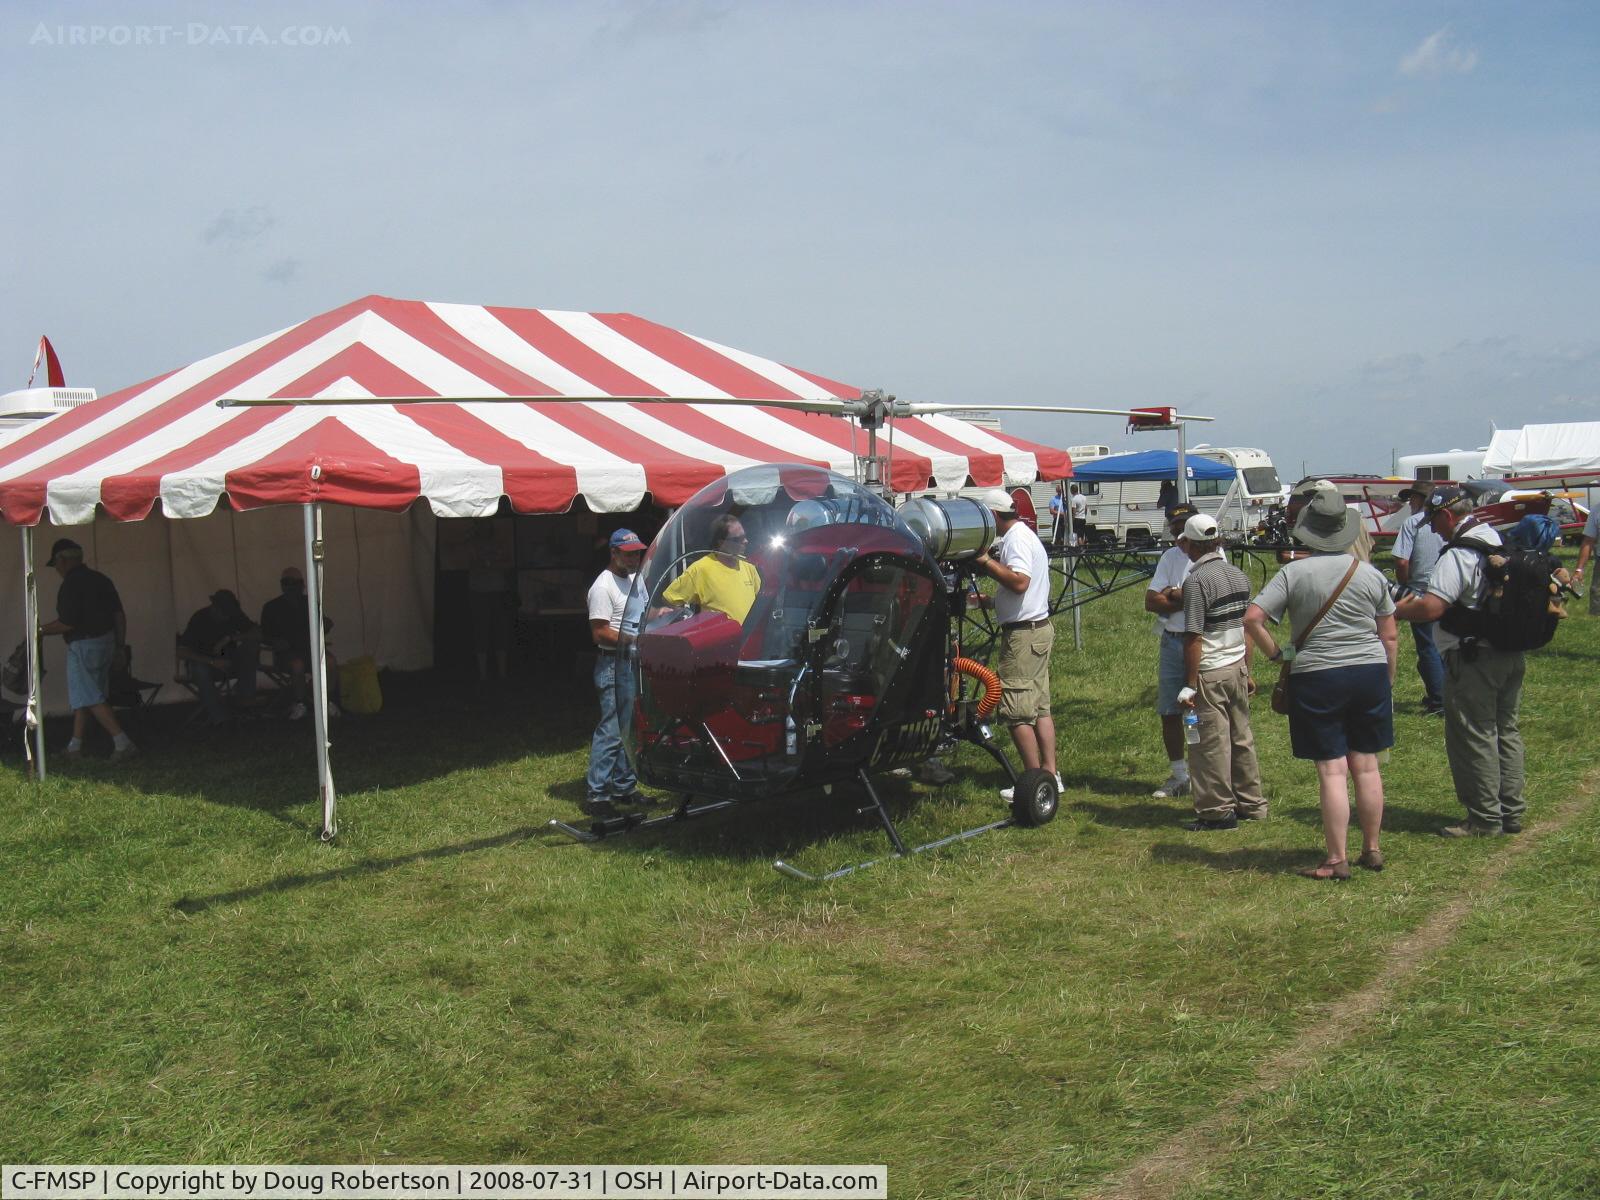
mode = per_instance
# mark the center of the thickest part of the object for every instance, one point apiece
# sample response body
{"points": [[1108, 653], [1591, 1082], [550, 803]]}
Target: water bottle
{"points": [[791, 738], [1191, 726]]}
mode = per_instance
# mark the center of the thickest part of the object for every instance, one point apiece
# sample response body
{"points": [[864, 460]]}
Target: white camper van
{"points": [[1255, 488]]}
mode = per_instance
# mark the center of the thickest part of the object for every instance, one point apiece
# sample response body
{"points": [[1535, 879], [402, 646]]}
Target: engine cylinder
{"points": [[951, 529]]}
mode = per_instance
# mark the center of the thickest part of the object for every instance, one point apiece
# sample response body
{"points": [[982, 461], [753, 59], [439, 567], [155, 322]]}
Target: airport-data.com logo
{"points": [[192, 34]]}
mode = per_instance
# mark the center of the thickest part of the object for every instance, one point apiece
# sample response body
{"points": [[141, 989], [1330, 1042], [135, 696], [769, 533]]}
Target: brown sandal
{"points": [[1337, 871], [1372, 860]]}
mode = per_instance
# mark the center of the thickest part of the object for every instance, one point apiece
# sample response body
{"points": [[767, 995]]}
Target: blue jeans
{"points": [[242, 657], [610, 774], [1429, 665]]}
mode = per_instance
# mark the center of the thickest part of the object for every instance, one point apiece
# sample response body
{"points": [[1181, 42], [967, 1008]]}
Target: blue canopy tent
{"points": [[1147, 465]]}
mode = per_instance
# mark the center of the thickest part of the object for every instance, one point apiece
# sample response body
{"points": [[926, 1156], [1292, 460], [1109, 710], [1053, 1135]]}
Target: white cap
{"points": [[999, 500], [1200, 528]]}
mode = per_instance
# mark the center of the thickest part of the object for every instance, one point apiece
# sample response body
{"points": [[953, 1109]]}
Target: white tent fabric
{"points": [[1499, 459], [380, 597], [1572, 446]]}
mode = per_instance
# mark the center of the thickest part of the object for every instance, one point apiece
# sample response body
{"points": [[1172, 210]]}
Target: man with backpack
{"points": [[1492, 602]]}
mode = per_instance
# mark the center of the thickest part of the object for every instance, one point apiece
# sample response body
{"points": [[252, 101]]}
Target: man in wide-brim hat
{"points": [[1325, 521]]}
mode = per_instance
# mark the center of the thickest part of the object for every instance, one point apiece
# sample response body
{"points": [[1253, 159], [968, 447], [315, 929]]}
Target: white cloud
{"points": [[1439, 55]]}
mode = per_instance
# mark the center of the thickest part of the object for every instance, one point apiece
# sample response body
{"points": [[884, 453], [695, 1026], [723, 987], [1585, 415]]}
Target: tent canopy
{"points": [[1570, 447], [167, 442], [1148, 465]]}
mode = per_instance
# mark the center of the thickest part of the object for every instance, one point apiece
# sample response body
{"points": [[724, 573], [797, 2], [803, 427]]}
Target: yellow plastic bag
{"points": [[358, 686]]}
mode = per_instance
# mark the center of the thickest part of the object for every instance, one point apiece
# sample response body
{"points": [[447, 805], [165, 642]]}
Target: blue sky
{"points": [[1342, 229]]}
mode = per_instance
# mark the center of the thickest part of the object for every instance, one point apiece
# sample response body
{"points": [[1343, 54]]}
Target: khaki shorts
{"points": [[1025, 674]]}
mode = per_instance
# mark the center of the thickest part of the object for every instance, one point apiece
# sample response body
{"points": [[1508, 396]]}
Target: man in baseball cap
{"points": [[1022, 606], [1164, 598], [611, 780], [1482, 684], [1224, 775], [90, 620]]}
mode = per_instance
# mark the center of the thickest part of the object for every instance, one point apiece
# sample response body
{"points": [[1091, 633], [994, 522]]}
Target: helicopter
{"points": [[847, 661]]}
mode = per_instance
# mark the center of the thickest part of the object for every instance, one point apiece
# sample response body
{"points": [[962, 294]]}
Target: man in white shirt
{"points": [[611, 780], [1482, 685], [1164, 598], [1591, 534], [1416, 549], [1080, 516], [1022, 607]]}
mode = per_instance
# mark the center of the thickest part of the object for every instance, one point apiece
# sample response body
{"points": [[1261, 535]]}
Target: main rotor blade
{"points": [[917, 409], [832, 407]]}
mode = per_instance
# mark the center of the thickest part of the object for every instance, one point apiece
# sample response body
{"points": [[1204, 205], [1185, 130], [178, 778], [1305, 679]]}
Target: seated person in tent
{"points": [[723, 580], [286, 631], [220, 641]]}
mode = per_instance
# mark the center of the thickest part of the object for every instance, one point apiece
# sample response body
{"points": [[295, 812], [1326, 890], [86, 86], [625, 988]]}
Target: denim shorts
{"points": [[1169, 674], [1341, 709], [89, 670]]}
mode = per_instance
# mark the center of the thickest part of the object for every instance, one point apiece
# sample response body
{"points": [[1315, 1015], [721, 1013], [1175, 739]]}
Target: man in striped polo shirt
{"points": [[1225, 778]]}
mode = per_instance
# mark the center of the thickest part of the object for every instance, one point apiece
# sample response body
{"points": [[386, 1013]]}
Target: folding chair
{"points": [[127, 690], [184, 679]]}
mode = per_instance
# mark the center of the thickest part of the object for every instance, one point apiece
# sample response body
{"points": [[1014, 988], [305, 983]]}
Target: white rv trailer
{"points": [[1442, 464]]}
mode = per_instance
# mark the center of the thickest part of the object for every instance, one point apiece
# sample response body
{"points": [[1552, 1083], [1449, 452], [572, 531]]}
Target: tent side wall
{"points": [[379, 585]]}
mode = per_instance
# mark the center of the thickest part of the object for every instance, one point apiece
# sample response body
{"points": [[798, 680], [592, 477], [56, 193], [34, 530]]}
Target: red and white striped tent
{"points": [[175, 497], [167, 442]]}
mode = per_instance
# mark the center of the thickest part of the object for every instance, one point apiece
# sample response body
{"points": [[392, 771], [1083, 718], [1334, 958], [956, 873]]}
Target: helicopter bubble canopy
{"points": [[770, 617]]}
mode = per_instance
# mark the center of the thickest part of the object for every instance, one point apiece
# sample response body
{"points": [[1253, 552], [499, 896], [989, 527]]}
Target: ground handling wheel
{"points": [[1034, 800]]}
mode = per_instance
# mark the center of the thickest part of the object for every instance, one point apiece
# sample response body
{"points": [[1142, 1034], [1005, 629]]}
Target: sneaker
{"points": [[1201, 825], [1060, 787], [1007, 793], [636, 799], [1433, 710], [1470, 829], [124, 754], [601, 808], [297, 712], [73, 755], [935, 773], [1172, 788]]}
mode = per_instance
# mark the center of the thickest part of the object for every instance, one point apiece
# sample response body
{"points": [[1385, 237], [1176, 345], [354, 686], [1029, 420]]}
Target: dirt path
{"points": [[1158, 1174]]}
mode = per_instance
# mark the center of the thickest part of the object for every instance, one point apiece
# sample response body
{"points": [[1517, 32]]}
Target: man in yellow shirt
{"points": [[722, 580]]}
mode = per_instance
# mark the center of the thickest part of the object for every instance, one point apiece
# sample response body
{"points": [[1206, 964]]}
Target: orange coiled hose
{"points": [[990, 681]]}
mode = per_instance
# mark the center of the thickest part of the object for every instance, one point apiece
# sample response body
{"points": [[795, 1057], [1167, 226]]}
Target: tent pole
{"points": [[319, 665], [1183, 470], [34, 719]]}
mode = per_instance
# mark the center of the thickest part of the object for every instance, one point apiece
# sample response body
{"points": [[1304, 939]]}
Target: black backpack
{"points": [[1516, 612]]}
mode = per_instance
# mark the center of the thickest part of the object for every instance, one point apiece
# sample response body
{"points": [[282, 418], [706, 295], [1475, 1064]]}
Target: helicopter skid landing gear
{"points": [[900, 848], [626, 823]]}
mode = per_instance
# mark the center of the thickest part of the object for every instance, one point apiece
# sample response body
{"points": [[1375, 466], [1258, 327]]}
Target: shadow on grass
{"points": [[429, 728], [289, 883], [1156, 814], [1396, 818], [1261, 860], [757, 831]]}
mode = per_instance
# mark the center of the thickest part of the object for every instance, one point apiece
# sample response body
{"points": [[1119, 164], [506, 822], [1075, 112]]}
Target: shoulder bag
{"points": [[1280, 690]]}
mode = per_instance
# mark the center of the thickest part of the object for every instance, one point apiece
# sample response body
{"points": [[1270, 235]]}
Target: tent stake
{"points": [[319, 665], [33, 721]]}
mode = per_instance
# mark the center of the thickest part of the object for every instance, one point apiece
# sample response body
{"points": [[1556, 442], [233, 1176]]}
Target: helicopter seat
{"points": [[689, 665]]}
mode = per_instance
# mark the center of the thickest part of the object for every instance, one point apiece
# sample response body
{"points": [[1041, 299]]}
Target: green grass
{"points": [[190, 976]]}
